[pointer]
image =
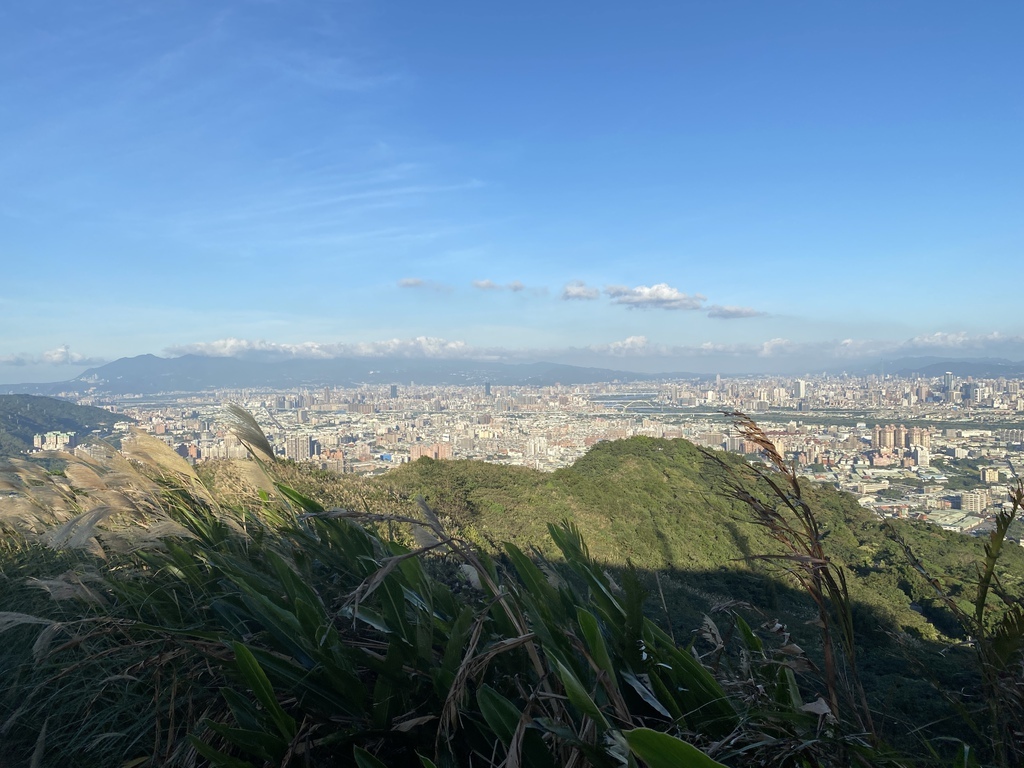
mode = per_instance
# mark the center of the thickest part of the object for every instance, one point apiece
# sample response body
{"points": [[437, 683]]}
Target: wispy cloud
{"points": [[327, 72], [489, 285], [733, 313], [962, 340], [62, 355], [425, 285], [577, 290], [839, 350], [659, 296]]}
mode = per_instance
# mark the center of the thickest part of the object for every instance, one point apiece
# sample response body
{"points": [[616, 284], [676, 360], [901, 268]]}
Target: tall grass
{"points": [[993, 624], [788, 519], [282, 633]]}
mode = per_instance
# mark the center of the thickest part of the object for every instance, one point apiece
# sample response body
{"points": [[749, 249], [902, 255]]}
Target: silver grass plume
{"points": [[248, 431], [79, 531]]}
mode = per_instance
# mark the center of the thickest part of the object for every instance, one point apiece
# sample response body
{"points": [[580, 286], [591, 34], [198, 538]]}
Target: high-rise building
{"points": [[989, 475], [394, 391], [974, 501], [437, 451], [55, 441], [487, 389], [883, 437], [298, 447], [921, 456]]}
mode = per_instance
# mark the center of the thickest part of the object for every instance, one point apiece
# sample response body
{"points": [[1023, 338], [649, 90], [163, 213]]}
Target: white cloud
{"points": [[777, 353], [62, 355], [732, 313], [420, 346], [580, 291], [776, 347], [632, 345], [962, 340], [659, 296]]}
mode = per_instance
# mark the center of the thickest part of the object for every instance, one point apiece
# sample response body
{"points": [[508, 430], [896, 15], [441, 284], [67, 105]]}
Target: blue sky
{"points": [[714, 186]]}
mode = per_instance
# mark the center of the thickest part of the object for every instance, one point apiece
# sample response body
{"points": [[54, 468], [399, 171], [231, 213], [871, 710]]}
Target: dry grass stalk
{"points": [[790, 521]]}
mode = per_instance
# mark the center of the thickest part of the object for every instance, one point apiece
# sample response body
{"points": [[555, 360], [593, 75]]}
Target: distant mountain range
{"points": [[148, 374], [929, 367]]}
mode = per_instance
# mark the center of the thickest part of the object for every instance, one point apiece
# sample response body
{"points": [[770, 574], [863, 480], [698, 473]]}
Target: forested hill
{"points": [[665, 505], [22, 416]]}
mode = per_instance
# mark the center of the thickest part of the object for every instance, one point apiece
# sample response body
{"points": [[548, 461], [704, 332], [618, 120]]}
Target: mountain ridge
{"points": [[150, 374]]}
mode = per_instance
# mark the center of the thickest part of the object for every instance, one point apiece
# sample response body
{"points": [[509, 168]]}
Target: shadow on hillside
{"points": [[903, 674]]}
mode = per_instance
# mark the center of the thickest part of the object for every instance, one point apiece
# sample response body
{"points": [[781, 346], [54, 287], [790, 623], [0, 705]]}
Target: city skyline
{"points": [[686, 187]]}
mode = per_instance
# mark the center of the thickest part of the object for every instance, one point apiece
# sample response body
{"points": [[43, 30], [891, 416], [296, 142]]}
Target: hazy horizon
{"points": [[735, 366]]}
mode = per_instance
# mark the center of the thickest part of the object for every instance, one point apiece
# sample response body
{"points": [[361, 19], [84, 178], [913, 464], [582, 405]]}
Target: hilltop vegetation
{"points": [[23, 416], [666, 505], [615, 612]]}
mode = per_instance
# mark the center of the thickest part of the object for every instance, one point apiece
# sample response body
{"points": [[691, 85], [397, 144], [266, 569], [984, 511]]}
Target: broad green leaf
{"points": [[752, 641], [367, 615], [458, 634], [304, 502], [660, 750], [533, 577], [335, 688], [282, 624], [263, 690], [787, 692], [646, 694], [365, 760], [217, 759], [500, 713], [578, 694], [699, 694], [596, 644], [243, 710]]}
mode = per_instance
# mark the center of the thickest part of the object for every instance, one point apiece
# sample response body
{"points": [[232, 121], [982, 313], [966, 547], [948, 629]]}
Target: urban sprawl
{"points": [[942, 450]]}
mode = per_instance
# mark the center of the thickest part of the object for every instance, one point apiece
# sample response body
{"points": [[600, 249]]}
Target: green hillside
{"points": [[666, 505], [617, 609], [23, 416]]}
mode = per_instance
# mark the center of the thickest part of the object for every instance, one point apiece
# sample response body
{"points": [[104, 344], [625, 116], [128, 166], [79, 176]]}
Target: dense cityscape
{"points": [[938, 449]]}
